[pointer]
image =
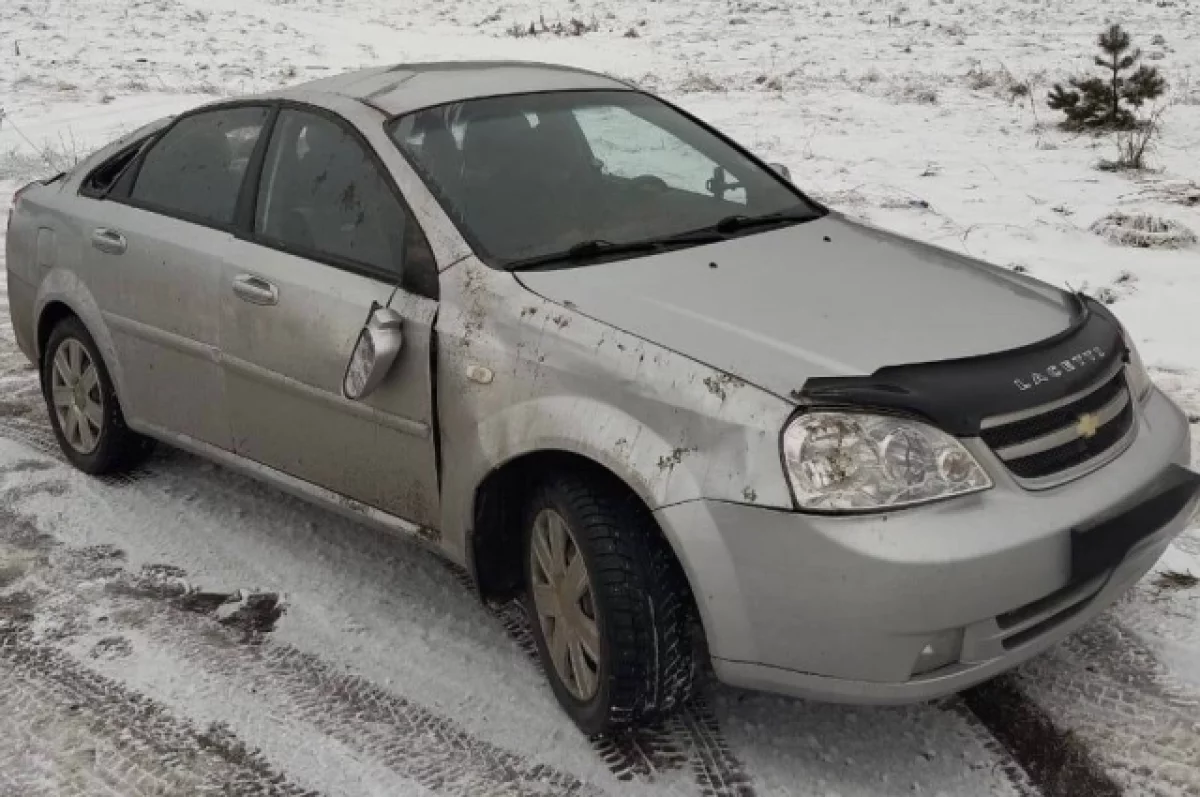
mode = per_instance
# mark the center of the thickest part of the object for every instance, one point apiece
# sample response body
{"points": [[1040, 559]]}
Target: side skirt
{"points": [[304, 490]]}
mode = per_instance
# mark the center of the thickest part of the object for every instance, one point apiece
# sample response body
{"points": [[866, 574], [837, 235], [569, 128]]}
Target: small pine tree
{"points": [[1105, 103]]}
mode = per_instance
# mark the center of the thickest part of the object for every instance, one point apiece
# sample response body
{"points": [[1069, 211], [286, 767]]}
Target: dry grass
{"points": [[29, 160], [18, 164], [1143, 230], [572, 27], [698, 82], [1133, 146], [917, 90], [1185, 89]]}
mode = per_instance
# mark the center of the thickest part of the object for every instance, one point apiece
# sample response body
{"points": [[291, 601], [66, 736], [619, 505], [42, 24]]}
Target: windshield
{"points": [[575, 175]]}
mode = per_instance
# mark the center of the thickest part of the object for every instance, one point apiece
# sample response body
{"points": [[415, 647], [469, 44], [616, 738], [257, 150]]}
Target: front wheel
{"points": [[611, 611]]}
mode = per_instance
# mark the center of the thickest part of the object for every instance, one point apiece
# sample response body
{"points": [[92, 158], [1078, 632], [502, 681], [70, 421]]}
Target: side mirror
{"points": [[375, 352], [782, 171]]}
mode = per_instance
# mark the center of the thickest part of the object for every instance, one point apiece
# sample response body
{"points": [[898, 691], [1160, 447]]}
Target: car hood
{"points": [[830, 297]]}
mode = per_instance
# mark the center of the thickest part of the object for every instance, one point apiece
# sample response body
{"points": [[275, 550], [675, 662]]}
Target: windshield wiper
{"points": [[737, 223], [587, 251], [596, 249], [583, 252]]}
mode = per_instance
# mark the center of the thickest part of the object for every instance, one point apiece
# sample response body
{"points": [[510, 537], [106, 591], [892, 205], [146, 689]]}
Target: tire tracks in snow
{"points": [[68, 730], [407, 738], [1096, 715], [35, 434], [1111, 693], [65, 730], [690, 739], [1014, 771], [38, 435], [1051, 759]]}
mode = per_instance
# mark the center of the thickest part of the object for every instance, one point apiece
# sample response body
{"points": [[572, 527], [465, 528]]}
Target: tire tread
{"points": [[643, 591]]}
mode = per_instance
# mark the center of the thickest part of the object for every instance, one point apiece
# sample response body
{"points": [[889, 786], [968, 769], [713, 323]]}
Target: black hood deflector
{"points": [[957, 395]]}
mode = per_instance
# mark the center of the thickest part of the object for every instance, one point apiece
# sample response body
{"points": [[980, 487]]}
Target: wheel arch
{"points": [[543, 432], [51, 316], [495, 545], [62, 294]]}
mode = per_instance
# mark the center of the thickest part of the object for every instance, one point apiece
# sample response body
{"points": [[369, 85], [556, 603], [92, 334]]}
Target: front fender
{"points": [[519, 374], [660, 470]]}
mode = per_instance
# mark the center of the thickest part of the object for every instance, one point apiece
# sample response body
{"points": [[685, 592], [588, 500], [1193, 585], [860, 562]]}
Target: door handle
{"points": [[109, 241], [255, 290]]}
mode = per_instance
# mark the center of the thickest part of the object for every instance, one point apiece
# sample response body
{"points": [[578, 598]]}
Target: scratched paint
{"points": [[671, 428]]}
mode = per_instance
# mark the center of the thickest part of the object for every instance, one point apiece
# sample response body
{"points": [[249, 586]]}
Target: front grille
{"points": [[1065, 436]]}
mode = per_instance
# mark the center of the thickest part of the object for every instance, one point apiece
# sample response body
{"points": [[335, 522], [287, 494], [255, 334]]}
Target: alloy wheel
{"points": [[565, 605], [75, 396]]}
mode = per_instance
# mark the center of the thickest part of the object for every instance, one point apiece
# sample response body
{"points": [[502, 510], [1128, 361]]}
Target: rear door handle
{"points": [[255, 290], [109, 241]]}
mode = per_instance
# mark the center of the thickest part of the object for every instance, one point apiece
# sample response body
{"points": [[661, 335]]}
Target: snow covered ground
{"points": [[384, 676]]}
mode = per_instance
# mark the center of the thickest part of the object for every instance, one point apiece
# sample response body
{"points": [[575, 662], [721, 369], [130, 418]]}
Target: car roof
{"points": [[402, 88]]}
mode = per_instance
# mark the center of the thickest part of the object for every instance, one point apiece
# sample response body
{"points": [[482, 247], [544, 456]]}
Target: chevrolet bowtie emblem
{"points": [[1087, 425]]}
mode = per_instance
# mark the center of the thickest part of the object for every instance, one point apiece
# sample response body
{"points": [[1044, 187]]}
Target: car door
{"points": [[156, 244], [331, 240]]}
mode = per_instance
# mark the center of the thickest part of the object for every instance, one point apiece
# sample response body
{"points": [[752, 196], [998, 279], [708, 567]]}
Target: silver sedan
{"points": [[595, 352]]}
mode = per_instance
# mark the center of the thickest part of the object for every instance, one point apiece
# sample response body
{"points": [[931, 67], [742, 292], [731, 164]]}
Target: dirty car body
{"points": [[883, 471]]}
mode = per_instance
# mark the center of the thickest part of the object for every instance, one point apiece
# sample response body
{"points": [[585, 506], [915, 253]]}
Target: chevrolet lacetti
{"points": [[593, 351]]}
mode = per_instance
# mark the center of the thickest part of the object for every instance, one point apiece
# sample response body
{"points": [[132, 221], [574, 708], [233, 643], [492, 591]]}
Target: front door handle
{"points": [[108, 241], [255, 290]]}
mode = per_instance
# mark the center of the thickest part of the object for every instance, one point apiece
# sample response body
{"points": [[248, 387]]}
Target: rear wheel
{"points": [[84, 410], [611, 610]]}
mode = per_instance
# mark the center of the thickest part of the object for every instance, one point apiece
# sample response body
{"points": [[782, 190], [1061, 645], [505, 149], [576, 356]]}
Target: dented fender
{"points": [[656, 468], [519, 374]]}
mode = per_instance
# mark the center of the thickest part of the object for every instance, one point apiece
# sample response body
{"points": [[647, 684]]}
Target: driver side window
{"points": [[631, 147], [322, 195]]}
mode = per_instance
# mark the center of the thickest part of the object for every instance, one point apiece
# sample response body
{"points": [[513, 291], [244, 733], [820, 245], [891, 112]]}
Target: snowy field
{"points": [[121, 672]]}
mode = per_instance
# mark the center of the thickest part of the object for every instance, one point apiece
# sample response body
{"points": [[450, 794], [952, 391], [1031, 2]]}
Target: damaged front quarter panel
{"points": [[671, 428]]}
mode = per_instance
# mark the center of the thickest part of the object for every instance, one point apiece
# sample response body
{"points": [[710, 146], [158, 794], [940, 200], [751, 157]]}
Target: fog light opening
{"points": [[940, 651]]}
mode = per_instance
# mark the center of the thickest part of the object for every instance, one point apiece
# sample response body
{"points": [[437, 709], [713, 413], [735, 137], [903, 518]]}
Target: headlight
{"points": [[847, 461], [1136, 373]]}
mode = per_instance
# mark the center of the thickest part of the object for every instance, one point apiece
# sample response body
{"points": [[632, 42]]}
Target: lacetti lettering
{"points": [[1051, 372]]}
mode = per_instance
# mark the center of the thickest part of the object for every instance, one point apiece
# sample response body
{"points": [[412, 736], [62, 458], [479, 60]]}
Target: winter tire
{"points": [[83, 406], [609, 605]]}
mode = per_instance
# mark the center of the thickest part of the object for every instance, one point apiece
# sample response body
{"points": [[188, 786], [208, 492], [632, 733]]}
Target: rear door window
{"points": [[195, 170]]}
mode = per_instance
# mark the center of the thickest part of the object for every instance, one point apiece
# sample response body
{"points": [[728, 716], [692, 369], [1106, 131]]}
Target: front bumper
{"points": [[841, 608]]}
